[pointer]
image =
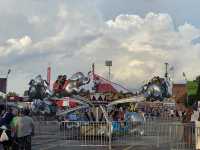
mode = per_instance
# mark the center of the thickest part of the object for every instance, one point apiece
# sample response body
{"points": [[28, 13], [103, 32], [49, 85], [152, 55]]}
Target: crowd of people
{"points": [[163, 113], [16, 129], [173, 114], [19, 126], [186, 115]]}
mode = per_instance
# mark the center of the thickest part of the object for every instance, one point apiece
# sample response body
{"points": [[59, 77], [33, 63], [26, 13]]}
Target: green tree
{"points": [[11, 94], [198, 89], [192, 99]]}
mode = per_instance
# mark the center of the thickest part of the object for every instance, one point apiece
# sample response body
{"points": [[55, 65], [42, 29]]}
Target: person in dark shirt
{"points": [[6, 118], [5, 121]]}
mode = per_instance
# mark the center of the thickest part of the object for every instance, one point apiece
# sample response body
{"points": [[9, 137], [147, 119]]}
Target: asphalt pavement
{"points": [[51, 142]]}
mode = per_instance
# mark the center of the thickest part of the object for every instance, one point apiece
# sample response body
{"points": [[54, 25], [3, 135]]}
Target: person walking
{"points": [[24, 128]]}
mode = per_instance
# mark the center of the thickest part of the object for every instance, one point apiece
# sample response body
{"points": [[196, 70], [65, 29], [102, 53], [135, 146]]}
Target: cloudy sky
{"points": [[138, 35]]}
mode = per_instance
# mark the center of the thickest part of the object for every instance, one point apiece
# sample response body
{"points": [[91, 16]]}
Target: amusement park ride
{"points": [[94, 99], [94, 103]]}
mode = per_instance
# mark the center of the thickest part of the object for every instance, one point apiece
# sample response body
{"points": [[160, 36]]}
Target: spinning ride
{"points": [[96, 102]]}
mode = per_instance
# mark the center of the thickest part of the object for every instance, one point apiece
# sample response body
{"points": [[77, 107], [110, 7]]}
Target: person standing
{"points": [[24, 129], [6, 118], [5, 123], [188, 129]]}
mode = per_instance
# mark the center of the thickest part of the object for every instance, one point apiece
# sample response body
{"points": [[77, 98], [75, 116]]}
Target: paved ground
{"points": [[61, 145], [50, 142]]}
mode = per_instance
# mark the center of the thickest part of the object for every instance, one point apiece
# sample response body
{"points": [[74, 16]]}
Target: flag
{"points": [[3, 85]]}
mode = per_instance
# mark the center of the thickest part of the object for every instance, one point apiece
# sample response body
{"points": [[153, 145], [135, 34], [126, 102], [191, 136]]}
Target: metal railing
{"points": [[87, 133], [162, 135], [168, 135], [47, 127]]}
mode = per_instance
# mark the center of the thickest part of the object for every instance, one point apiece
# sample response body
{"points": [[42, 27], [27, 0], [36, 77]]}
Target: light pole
{"points": [[166, 70], [9, 70], [185, 77], [108, 63]]}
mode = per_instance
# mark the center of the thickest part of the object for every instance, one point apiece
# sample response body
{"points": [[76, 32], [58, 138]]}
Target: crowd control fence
{"points": [[158, 135]]}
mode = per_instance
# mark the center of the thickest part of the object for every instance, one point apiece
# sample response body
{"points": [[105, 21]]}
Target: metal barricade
{"points": [[46, 127], [86, 133], [167, 135], [162, 135]]}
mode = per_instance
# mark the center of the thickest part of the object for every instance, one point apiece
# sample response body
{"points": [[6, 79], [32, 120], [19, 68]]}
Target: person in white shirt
{"points": [[195, 116], [171, 113]]}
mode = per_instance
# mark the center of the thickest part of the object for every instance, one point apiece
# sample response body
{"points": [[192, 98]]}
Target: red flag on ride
{"points": [[3, 85]]}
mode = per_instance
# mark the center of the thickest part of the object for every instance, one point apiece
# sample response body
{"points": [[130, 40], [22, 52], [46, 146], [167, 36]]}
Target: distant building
{"points": [[15, 98], [179, 92]]}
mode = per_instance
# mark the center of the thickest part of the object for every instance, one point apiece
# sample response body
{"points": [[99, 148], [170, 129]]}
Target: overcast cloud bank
{"points": [[71, 36]]}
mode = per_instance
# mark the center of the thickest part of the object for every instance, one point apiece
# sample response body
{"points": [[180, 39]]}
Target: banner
{"points": [[192, 87], [3, 85]]}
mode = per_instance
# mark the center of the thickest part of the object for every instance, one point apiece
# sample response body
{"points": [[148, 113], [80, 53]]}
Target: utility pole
{"points": [[166, 70], [93, 78], [9, 70], [49, 75], [93, 71]]}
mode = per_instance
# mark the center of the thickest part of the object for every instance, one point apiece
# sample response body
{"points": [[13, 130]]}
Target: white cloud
{"points": [[78, 36], [25, 41], [17, 46], [36, 20], [140, 46], [189, 32], [135, 63], [63, 13]]}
